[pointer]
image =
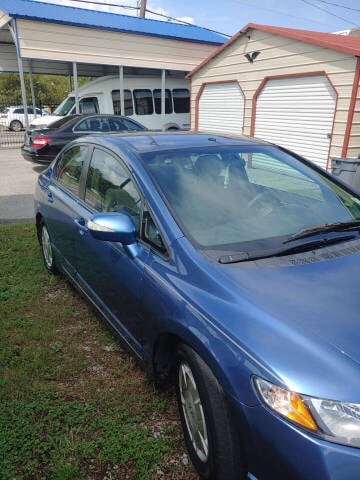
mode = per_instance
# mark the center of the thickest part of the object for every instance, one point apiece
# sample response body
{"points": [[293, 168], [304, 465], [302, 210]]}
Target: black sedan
{"points": [[42, 146]]}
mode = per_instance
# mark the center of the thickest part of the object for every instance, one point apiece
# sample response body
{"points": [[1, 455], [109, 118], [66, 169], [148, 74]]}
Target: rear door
{"points": [[62, 203]]}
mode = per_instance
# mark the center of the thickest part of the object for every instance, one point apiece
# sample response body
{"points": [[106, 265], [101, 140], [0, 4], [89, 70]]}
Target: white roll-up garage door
{"points": [[221, 108], [297, 113]]}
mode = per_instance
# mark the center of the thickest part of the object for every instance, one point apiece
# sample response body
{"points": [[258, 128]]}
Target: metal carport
{"points": [[38, 37]]}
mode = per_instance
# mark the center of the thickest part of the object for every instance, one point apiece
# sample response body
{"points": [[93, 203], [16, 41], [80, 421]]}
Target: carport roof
{"points": [[46, 12]]}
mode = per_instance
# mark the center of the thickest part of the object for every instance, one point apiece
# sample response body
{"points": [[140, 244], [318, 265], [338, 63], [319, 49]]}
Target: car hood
{"points": [[298, 316]]}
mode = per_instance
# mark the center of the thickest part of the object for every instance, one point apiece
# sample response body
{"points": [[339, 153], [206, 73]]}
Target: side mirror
{"points": [[115, 227]]}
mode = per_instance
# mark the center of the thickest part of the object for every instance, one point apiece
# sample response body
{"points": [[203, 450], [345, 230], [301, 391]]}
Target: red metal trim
{"points": [[197, 99], [351, 109], [289, 75], [190, 100]]}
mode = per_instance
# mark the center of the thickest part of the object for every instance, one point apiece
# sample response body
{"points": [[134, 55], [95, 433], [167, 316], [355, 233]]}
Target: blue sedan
{"points": [[229, 267]]}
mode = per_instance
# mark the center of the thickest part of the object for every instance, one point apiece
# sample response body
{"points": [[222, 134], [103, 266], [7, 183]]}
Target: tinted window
{"points": [[128, 102], [181, 98], [109, 187], [143, 102], [93, 124], [19, 110], [70, 166], [124, 124], [133, 126], [157, 101], [89, 105]]}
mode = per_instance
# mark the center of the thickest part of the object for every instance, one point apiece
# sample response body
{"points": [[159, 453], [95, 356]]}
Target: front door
{"points": [[108, 275]]}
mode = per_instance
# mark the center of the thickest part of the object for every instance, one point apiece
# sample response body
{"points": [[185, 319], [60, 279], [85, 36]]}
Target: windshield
{"points": [[233, 198], [64, 107]]}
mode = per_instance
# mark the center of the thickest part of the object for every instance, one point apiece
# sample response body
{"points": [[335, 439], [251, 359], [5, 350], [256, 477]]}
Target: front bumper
{"points": [[276, 450]]}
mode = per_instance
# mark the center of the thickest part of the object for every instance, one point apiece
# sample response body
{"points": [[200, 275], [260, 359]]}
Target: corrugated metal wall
{"points": [[221, 105], [297, 113], [282, 56]]}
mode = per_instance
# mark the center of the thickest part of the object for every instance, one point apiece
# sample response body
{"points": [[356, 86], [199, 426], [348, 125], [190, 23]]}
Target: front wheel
{"points": [[209, 431]]}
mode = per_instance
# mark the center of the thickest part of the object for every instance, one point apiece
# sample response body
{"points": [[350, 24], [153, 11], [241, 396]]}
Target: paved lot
{"points": [[17, 183]]}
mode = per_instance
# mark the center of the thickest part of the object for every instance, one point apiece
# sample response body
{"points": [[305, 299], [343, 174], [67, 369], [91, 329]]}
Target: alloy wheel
{"points": [[193, 412]]}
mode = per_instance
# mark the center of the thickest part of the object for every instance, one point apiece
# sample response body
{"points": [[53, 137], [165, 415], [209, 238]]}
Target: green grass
{"points": [[73, 404]]}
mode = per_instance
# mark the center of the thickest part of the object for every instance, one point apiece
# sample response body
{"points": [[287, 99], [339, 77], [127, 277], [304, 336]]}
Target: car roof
{"points": [[155, 141]]}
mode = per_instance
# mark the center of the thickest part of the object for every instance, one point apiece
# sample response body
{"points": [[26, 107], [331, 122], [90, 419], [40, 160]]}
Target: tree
{"points": [[48, 89]]}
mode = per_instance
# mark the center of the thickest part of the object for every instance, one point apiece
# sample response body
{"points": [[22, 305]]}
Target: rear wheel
{"points": [[16, 126], [209, 431], [46, 248]]}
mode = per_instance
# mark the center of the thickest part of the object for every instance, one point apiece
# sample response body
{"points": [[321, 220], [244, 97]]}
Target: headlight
{"points": [[334, 421]]}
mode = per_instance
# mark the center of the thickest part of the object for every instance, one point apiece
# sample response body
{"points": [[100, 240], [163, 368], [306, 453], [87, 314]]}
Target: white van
{"points": [[142, 101]]}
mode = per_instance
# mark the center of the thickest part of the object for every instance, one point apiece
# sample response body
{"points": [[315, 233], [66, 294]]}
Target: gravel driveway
{"points": [[17, 183]]}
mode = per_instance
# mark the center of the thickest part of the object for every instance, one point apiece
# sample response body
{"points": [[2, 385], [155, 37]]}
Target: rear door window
{"points": [[93, 124], [70, 166]]}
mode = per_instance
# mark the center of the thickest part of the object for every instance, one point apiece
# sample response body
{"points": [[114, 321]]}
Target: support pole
{"points": [[163, 119], [122, 98], [14, 34], [142, 8], [32, 90], [70, 83], [76, 88]]}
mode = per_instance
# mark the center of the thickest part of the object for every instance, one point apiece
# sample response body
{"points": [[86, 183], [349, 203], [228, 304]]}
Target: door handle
{"points": [[80, 223], [50, 197]]}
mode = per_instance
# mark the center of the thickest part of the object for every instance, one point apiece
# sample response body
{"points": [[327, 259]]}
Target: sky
{"points": [[229, 16]]}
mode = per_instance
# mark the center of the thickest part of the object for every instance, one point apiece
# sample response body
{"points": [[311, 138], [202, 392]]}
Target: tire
{"points": [[209, 431], [46, 248], [16, 126]]}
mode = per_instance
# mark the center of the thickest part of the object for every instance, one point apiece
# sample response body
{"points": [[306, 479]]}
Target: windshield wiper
{"points": [[239, 257], [325, 228]]}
